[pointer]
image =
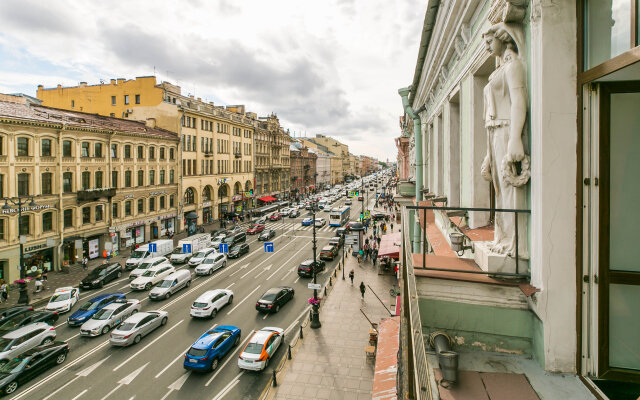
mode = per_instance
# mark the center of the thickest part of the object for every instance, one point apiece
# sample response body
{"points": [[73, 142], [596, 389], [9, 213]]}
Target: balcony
{"points": [[94, 194]]}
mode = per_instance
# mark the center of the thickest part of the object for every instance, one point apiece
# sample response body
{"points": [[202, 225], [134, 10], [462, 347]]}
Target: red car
{"points": [[361, 198], [276, 216], [256, 228]]}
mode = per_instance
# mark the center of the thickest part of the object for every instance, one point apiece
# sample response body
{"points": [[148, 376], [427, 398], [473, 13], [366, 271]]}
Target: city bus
{"points": [[339, 217]]}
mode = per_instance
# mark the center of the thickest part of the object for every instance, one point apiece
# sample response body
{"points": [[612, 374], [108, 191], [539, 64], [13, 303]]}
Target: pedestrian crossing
{"points": [[298, 227]]}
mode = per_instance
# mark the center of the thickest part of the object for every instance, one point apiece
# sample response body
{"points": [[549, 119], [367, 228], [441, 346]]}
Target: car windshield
{"points": [[208, 261], [269, 296], [201, 254], [144, 265], [178, 250], [197, 352], [235, 248], [149, 274], [166, 283], [15, 365], [60, 297], [127, 326], [253, 348], [138, 254], [89, 305], [103, 314], [4, 343], [219, 238], [228, 239]]}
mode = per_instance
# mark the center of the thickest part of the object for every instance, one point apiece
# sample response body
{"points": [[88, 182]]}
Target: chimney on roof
{"points": [[150, 123], [113, 81], [83, 84]]}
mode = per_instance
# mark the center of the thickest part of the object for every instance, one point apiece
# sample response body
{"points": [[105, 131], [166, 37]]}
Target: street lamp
{"points": [[315, 312], [19, 202]]}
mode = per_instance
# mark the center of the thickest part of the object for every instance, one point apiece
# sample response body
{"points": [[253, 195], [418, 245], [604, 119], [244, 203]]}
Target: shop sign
{"points": [[27, 208], [237, 197], [206, 204], [35, 247], [93, 248], [129, 196], [222, 181], [167, 216]]}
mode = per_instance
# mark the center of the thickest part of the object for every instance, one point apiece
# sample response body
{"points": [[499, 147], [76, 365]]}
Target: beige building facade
{"points": [[272, 158]]}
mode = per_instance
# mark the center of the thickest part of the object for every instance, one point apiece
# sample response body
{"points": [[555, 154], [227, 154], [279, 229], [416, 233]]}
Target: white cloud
{"points": [[330, 67]]}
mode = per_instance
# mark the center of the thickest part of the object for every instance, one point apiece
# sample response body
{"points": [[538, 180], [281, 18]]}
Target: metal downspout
{"points": [[60, 202], [417, 131]]}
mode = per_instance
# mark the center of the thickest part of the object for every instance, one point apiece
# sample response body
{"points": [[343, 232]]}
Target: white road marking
{"points": [[265, 269], [129, 378], [147, 346], [230, 285], [297, 320], [265, 316], [239, 268], [91, 368], [80, 394], [220, 368], [243, 300], [106, 396], [296, 281], [227, 389], [181, 355], [177, 385], [62, 387]]}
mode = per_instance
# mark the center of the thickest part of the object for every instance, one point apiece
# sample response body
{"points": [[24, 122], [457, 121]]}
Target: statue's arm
{"points": [[517, 92]]}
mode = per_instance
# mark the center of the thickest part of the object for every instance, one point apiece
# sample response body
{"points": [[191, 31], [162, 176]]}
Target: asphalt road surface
{"points": [[153, 368]]}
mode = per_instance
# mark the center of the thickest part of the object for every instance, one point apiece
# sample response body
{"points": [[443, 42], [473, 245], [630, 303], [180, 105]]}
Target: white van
{"points": [[195, 243], [171, 284], [163, 247]]}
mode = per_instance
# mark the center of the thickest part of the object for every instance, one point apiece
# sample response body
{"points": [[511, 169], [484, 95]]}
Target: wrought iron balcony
{"points": [[93, 194]]}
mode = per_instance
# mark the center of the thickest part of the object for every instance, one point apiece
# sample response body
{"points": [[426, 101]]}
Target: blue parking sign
{"points": [[268, 247], [153, 248], [224, 248], [186, 248]]}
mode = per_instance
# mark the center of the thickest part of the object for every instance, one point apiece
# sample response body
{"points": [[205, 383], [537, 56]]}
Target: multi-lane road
{"points": [[153, 368]]}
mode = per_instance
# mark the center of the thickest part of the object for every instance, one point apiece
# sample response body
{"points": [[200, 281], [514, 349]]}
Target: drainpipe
{"points": [[60, 202], [417, 131]]}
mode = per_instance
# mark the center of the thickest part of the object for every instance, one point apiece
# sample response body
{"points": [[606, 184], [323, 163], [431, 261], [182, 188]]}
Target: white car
{"points": [[63, 299], [215, 243], [144, 266], [260, 349], [210, 302], [213, 262], [151, 277], [320, 222], [109, 317], [200, 256]]}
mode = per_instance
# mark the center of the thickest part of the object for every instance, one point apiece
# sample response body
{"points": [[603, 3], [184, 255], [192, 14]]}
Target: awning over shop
{"points": [[267, 199], [390, 245]]}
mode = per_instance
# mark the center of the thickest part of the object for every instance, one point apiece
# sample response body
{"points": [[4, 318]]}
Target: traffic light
{"points": [[361, 216]]}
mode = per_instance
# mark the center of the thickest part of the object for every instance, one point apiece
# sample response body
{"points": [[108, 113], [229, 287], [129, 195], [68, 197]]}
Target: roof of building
{"points": [[22, 111]]}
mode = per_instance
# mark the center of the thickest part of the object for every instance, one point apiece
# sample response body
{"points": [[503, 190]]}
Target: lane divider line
{"points": [[243, 300], [147, 346]]}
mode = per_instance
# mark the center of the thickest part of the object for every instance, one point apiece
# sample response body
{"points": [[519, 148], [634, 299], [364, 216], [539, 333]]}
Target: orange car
{"points": [[260, 349]]}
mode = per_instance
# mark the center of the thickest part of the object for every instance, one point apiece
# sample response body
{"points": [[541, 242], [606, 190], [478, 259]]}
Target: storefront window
{"points": [[68, 218], [99, 212], [86, 215], [127, 208], [47, 221], [23, 184], [46, 182], [46, 148], [67, 179], [66, 148], [23, 147], [24, 224], [607, 30], [86, 180]]}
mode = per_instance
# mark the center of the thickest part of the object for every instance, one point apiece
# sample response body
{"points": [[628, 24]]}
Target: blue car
{"points": [[206, 352], [307, 221], [91, 307]]}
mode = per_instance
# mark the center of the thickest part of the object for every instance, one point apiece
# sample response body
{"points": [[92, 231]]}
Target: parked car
{"points": [[320, 222], [307, 221], [257, 228], [328, 252], [26, 338], [294, 214], [305, 268], [274, 298], [206, 353], [213, 262], [210, 302], [171, 284], [276, 216], [238, 250], [144, 266], [63, 299], [30, 364], [267, 234], [20, 320], [109, 317], [202, 254], [88, 309], [102, 274], [137, 326], [163, 247], [260, 348], [152, 277], [337, 241]]}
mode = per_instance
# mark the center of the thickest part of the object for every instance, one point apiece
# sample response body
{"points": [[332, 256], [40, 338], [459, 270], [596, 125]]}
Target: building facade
{"points": [[90, 184], [272, 166], [323, 168], [303, 170]]}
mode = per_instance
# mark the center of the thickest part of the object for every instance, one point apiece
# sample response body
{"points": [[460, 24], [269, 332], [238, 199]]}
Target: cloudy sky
{"points": [[331, 67]]}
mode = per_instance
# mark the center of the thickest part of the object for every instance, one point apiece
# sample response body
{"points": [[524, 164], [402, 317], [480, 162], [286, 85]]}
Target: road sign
{"points": [[351, 239], [224, 248], [268, 247], [367, 213], [186, 248], [315, 286], [153, 248]]}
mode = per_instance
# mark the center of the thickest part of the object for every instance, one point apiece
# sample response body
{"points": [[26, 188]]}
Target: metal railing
{"points": [[427, 245]]}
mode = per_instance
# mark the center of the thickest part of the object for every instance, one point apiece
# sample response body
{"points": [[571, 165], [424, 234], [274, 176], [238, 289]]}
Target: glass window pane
{"points": [[607, 30], [624, 326]]}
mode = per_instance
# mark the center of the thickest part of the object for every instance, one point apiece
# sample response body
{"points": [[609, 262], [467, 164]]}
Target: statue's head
{"points": [[504, 36]]}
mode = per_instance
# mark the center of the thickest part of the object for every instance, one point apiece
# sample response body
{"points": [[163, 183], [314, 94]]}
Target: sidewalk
{"points": [[331, 362], [57, 279]]}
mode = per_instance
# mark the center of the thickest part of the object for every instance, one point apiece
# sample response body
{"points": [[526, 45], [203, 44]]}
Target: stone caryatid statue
{"points": [[505, 112]]}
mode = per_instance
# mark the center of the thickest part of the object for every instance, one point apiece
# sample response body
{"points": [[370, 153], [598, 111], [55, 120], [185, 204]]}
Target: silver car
{"points": [[213, 262], [109, 317], [137, 326], [25, 338], [196, 259]]}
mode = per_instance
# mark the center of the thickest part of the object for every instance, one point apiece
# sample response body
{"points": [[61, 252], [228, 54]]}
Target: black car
{"points": [[11, 311], [267, 234], [294, 213], [235, 238], [238, 250], [20, 320], [378, 215], [274, 298], [342, 231], [304, 269], [102, 274], [30, 364]]}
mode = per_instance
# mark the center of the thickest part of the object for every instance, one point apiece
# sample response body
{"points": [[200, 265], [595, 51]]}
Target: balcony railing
{"points": [[89, 195]]}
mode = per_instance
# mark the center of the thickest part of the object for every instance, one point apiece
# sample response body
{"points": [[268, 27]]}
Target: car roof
{"points": [[207, 249], [104, 296], [26, 329], [274, 290], [157, 267], [210, 293], [63, 289], [154, 259], [261, 336], [328, 247], [307, 262]]}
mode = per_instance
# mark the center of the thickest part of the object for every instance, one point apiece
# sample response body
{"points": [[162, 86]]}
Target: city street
{"points": [[153, 368]]}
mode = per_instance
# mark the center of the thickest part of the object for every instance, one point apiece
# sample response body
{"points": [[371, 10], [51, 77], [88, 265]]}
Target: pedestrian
{"points": [[85, 263], [379, 240], [4, 291], [39, 285], [374, 256], [44, 275], [392, 227], [351, 276], [362, 289]]}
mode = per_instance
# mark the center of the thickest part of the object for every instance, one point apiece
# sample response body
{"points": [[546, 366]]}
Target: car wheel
{"points": [[213, 314], [105, 330], [60, 359], [136, 340], [119, 274], [47, 341], [134, 311], [214, 364], [235, 343], [101, 285], [277, 308], [147, 286], [10, 388], [164, 321], [224, 264], [166, 296], [230, 300], [188, 283], [210, 272], [266, 364]]}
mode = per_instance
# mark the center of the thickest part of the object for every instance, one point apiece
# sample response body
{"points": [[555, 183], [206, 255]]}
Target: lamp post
{"points": [[315, 312]]}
